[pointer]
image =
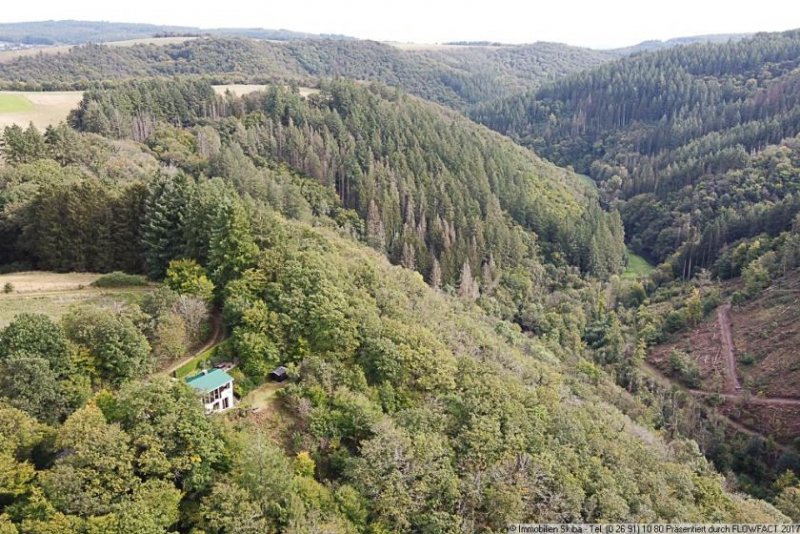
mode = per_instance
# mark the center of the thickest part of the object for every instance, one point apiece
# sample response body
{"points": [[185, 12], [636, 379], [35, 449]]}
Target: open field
{"points": [[637, 266], [238, 89], [40, 108], [44, 108], [11, 55], [53, 294], [243, 89], [437, 46], [14, 103]]}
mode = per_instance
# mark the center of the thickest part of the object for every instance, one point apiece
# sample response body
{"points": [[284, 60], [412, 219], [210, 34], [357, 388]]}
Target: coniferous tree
{"points": [[164, 223]]}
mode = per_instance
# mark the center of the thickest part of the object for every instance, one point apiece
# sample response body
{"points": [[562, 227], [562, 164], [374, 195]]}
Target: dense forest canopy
{"points": [[409, 409], [436, 192], [696, 142], [455, 76], [462, 349]]}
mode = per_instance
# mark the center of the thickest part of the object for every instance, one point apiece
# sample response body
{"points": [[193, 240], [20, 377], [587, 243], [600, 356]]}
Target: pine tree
{"points": [[163, 229], [376, 235], [436, 274], [232, 248], [409, 257], [468, 287]]}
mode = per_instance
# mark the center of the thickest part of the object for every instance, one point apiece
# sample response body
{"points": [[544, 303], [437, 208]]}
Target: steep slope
{"points": [[436, 191], [696, 141], [456, 76], [406, 408]]}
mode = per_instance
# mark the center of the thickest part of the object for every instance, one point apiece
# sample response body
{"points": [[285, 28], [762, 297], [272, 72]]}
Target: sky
{"points": [[597, 24]]}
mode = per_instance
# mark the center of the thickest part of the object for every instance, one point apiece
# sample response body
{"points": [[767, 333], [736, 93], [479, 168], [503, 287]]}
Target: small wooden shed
{"points": [[279, 374]]}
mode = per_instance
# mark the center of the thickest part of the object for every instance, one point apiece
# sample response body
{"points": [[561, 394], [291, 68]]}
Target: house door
{"points": [[225, 403]]}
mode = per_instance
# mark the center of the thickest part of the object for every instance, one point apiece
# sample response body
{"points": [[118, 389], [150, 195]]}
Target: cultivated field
{"points": [[238, 89], [11, 55], [14, 103], [40, 108], [243, 89], [53, 294]]}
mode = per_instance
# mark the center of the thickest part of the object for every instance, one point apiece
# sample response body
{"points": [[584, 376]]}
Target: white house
{"points": [[216, 388]]}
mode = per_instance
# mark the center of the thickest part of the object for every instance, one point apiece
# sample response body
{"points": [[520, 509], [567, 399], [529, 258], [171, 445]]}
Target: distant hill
{"points": [[457, 76], [650, 46], [71, 32]]}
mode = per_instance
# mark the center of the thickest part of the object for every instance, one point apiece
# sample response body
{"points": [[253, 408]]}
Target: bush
{"points": [[747, 359], [120, 279], [684, 368], [676, 320], [8, 288]]}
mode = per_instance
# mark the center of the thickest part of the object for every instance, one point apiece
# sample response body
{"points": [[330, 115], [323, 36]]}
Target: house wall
{"points": [[219, 400]]}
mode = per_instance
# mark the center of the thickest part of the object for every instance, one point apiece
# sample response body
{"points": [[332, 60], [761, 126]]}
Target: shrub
{"points": [[676, 320], [684, 368], [120, 279], [8, 288], [747, 359]]}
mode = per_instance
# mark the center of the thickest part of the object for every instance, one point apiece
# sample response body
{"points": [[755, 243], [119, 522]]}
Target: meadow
{"points": [[53, 294], [40, 108], [637, 266]]}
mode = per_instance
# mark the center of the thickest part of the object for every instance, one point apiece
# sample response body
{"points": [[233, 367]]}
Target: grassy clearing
{"points": [[637, 266], [14, 103], [263, 397], [53, 294], [43, 109]]}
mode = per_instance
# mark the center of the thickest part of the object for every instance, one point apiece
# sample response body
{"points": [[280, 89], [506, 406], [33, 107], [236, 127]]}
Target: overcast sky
{"points": [[594, 23]]}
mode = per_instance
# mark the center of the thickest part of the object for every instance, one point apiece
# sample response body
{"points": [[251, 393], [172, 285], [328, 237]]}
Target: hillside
{"points": [[407, 407], [455, 76], [456, 197], [695, 144]]}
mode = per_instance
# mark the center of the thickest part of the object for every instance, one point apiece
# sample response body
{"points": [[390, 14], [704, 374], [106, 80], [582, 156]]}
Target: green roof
{"points": [[209, 381]]}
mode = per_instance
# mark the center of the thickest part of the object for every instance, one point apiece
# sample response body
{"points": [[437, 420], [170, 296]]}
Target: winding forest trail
{"points": [[733, 423], [732, 389], [732, 384], [216, 337]]}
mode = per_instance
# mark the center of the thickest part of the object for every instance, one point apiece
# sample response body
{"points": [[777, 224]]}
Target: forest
{"points": [[463, 344], [696, 146], [455, 76]]}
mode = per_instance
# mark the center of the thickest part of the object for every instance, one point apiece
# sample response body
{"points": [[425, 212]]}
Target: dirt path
{"points": [[666, 380], [732, 384], [215, 338]]}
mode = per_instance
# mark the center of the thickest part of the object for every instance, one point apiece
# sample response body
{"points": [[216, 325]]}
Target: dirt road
{"points": [[732, 384], [214, 339]]}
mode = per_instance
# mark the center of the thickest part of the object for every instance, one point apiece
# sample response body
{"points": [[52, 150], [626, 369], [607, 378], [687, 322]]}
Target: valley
{"points": [[267, 281]]}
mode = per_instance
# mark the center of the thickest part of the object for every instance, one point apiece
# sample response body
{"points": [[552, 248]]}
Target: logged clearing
{"points": [[748, 359], [53, 294], [43, 109]]}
